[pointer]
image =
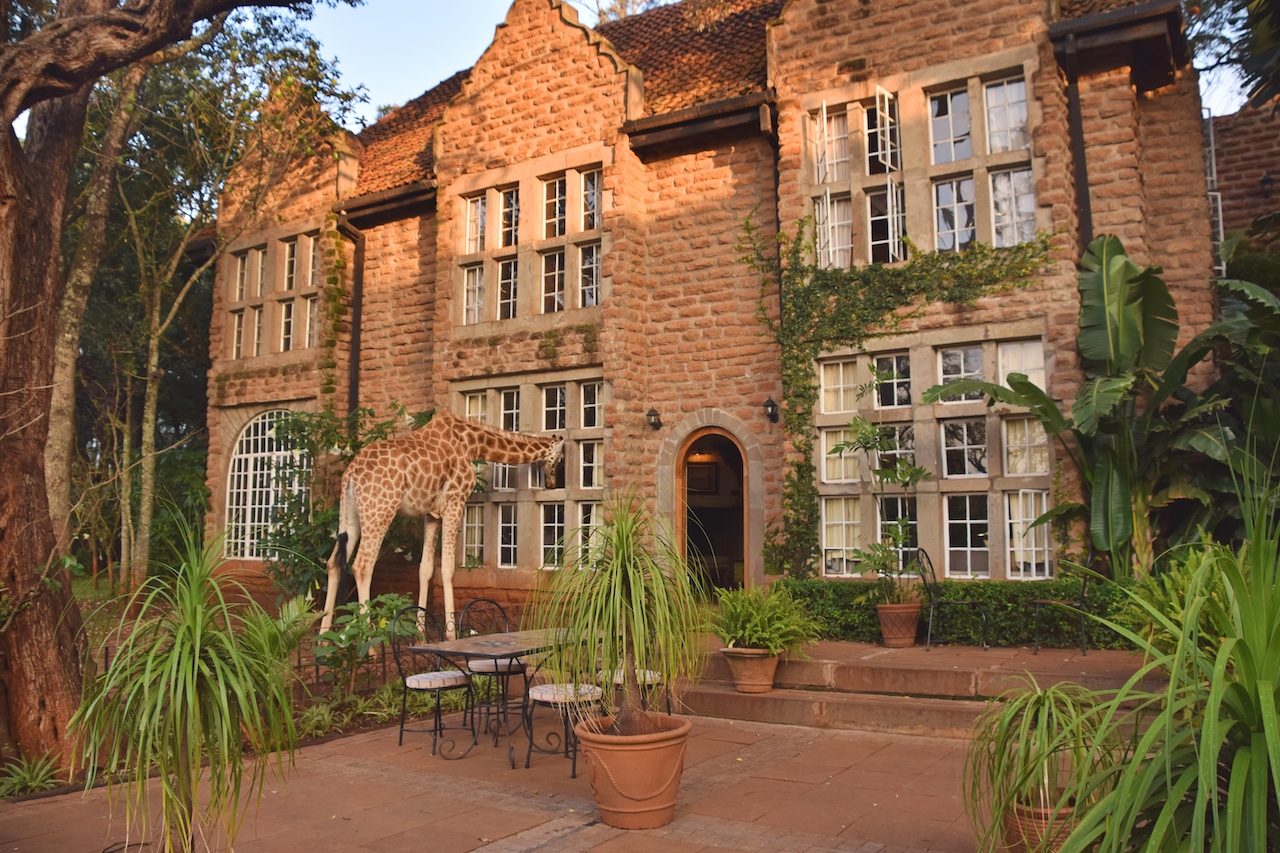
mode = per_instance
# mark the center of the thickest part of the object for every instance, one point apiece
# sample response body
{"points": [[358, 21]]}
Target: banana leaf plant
{"points": [[1134, 423]]}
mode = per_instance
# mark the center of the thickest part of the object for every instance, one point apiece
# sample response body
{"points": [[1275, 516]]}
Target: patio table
{"points": [[511, 645]]}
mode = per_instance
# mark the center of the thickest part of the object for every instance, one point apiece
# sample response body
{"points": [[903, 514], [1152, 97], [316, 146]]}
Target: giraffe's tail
{"points": [[348, 527]]}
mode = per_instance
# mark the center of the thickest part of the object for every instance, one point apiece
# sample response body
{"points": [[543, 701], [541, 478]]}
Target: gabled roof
{"points": [[397, 148], [683, 66]]}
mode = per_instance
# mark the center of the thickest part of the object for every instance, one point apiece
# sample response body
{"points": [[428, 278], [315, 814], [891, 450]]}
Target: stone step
{"points": [[910, 691], [833, 710]]}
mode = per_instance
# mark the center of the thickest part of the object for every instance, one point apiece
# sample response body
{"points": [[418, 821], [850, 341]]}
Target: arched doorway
{"points": [[711, 486]]}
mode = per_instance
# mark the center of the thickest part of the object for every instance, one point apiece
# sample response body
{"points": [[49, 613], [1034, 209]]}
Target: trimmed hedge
{"points": [[1008, 605]]}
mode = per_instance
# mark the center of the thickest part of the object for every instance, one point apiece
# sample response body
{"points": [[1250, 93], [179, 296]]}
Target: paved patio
{"points": [[746, 786]]}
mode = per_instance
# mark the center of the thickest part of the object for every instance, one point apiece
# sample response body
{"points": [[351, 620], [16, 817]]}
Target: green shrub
{"points": [[1008, 606], [28, 776], [764, 618]]}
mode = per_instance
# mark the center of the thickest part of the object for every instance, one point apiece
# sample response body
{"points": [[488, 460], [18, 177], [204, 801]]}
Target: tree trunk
{"points": [[40, 632], [125, 484], [60, 448], [147, 443]]}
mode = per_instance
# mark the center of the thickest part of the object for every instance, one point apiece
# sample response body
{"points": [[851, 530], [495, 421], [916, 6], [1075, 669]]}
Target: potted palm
{"points": [[625, 600], [757, 625], [1030, 750]]}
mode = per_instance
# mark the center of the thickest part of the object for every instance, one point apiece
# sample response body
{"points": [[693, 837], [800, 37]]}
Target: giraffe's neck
{"points": [[491, 444]]}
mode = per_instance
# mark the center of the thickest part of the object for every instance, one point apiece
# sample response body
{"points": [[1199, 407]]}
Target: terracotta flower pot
{"points": [[635, 778], [898, 623], [752, 669], [1027, 827]]}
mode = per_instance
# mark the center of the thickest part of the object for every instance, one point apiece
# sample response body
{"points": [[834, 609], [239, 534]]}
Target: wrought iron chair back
{"points": [[933, 591]]}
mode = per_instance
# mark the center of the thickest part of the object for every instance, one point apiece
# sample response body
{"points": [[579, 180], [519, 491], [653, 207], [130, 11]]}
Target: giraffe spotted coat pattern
{"points": [[426, 474]]}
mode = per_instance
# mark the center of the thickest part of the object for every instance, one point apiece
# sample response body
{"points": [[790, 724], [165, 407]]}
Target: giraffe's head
{"points": [[551, 459]]}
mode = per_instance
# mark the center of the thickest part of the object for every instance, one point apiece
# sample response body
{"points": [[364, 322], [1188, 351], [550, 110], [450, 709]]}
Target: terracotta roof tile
{"points": [[682, 66], [397, 148]]}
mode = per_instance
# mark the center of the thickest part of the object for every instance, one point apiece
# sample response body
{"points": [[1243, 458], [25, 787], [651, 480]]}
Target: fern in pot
{"points": [[757, 626]]}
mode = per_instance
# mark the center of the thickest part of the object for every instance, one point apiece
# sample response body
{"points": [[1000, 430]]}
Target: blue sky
{"points": [[398, 49]]}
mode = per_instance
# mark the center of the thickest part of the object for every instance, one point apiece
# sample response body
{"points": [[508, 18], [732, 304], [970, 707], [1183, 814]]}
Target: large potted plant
{"points": [[757, 625], [625, 600], [1031, 749]]}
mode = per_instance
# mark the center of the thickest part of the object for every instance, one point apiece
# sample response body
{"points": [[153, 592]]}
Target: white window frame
{"points": [[844, 393], [1026, 545], [967, 445], [510, 204], [508, 535], [592, 199], [313, 320], [555, 210], [286, 325], [555, 407], [888, 150], [290, 264], [552, 527], [895, 381], [1027, 447], [904, 440], [475, 406], [473, 295], [956, 137], [911, 506], [237, 334], [1004, 354], [476, 225], [839, 559], [508, 288], [833, 224], [255, 485], [591, 405], [836, 467], [956, 209], [509, 408], [970, 524], [588, 275], [553, 282], [1007, 129], [257, 336], [964, 373], [1017, 219], [473, 535], [591, 464]]}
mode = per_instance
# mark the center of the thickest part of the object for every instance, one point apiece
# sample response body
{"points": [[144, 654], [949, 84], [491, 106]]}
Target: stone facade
{"points": [[1248, 147], [615, 290]]}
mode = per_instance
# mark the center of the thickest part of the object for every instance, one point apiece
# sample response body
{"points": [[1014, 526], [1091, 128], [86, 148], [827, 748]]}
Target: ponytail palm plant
{"points": [[201, 676], [624, 600]]}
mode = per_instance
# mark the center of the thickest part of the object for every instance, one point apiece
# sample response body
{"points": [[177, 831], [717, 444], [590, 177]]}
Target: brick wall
{"points": [[1248, 146]]}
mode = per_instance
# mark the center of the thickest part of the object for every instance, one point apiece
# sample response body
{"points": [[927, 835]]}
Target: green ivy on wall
{"points": [[822, 310]]}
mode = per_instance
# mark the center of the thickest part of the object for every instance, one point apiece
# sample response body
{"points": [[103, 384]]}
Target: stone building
{"points": [[549, 241]]}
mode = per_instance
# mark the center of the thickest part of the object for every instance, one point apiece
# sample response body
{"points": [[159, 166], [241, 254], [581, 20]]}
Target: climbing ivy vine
{"points": [[822, 310]]}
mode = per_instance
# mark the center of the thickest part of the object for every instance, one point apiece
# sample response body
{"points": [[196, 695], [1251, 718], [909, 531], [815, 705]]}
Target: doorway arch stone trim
{"points": [[675, 446]]}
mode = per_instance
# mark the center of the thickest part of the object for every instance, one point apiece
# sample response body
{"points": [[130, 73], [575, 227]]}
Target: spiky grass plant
{"points": [[625, 599], [201, 677], [1208, 777], [28, 776]]}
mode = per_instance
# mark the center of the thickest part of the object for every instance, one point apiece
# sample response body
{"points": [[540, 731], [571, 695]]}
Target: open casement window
{"points": [[1028, 547], [833, 225], [887, 151], [897, 198], [830, 145]]}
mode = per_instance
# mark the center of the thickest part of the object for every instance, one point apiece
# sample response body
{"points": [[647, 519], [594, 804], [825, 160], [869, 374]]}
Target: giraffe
{"points": [[426, 474]]}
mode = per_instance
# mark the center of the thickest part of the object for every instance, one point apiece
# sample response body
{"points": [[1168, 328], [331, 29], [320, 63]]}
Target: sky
{"points": [[398, 49]]}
